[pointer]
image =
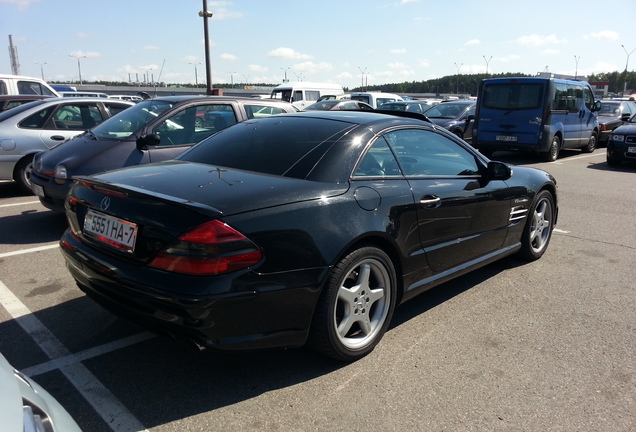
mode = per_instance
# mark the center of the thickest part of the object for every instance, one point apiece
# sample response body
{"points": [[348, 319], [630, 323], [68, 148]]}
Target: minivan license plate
{"points": [[115, 232], [506, 138]]}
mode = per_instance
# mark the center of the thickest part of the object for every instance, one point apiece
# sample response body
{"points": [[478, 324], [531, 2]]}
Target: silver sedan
{"points": [[40, 125]]}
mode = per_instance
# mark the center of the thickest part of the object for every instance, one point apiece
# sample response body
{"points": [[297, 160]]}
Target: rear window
{"points": [[512, 96], [287, 146], [130, 120]]}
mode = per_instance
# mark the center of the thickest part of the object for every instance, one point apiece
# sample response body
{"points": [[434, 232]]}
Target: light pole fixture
{"points": [[247, 78], [487, 62], [231, 78], [196, 77], [41, 68], [208, 71], [79, 69], [285, 69], [299, 76]]}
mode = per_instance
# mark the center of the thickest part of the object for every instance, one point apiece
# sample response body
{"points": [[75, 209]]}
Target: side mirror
{"points": [[597, 106], [625, 117], [499, 171], [148, 140]]}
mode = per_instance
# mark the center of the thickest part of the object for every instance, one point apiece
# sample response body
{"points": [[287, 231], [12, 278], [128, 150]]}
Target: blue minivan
{"points": [[542, 115]]}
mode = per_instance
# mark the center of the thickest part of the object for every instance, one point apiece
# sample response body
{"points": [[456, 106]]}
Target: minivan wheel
{"points": [[591, 145], [553, 152], [356, 305]]}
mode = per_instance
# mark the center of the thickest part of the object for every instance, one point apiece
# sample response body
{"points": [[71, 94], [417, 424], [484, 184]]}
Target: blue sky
{"points": [[254, 41]]}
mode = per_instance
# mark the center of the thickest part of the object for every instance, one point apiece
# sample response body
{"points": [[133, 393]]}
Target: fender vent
{"points": [[517, 214]]}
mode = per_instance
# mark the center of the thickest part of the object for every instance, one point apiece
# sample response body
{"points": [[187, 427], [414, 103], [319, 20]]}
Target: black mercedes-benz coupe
{"points": [[305, 228]]}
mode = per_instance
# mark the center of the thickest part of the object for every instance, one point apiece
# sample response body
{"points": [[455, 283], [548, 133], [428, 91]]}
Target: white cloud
{"points": [[311, 67], [609, 35], [220, 10], [228, 57], [22, 5], [538, 40], [288, 53], [87, 54], [151, 47], [257, 68], [550, 51], [473, 42], [398, 51]]}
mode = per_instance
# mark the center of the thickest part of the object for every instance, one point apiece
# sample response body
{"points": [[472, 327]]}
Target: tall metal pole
{"points": [[208, 69], [487, 62], [41, 68], [626, 64]]}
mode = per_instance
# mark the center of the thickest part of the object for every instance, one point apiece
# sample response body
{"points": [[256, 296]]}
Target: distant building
{"points": [[601, 88]]}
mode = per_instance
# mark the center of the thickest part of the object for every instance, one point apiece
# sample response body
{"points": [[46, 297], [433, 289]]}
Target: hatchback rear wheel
{"points": [[356, 305]]}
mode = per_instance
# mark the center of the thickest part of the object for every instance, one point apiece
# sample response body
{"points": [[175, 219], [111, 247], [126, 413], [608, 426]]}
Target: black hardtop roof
{"points": [[362, 117]]}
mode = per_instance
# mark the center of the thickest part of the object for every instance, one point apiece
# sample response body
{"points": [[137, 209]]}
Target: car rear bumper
{"points": [[248, 311]]}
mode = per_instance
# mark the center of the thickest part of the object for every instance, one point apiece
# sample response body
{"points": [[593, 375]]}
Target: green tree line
{"points": [[452, 84], [469, 84]]}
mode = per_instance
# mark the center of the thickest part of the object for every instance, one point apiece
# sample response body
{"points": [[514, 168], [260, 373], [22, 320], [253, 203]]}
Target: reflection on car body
{"points": [[332, 220]]}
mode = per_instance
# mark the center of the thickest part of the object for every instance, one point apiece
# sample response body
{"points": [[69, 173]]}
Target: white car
{"points": [[41, 125], [26, 407]]}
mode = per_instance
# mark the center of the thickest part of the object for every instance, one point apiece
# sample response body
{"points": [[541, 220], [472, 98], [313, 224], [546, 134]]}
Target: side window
{"points": [[76, 117], [195, 123], [378, 161], [423, 153], [298, 96], [312, 95], [257, 111], [37, 120], [589, 98], [3, 88], [114, 108]]}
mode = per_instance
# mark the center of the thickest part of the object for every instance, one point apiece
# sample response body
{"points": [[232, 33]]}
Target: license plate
{"points": [[506, 138], [115, 232], [38, 190], [631, 149]]}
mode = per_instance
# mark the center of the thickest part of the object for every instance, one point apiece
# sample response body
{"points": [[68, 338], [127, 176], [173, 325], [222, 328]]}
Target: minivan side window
{"points": [[3, 88], [312, 95], [30, 87]]}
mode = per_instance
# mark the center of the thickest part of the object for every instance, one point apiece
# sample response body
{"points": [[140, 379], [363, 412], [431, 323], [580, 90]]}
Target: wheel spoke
{"points": [[357, 302]]}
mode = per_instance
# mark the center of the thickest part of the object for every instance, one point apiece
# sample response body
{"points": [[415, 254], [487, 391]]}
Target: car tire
{"points": [[356, 305], [553, 152], [22, 174], [591, 144], [539, 225], [198, 123]]}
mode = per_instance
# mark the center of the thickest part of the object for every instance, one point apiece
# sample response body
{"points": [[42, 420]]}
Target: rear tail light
{"points": [[210, 249]]}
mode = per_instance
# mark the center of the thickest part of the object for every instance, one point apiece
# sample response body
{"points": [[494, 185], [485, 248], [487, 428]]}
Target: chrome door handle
{"points": [[431, 201]]}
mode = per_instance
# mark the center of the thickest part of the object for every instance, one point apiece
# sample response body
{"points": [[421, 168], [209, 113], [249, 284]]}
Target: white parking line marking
{"points": [[19, 204], [562, 161], [109, 408], [88, 354], [556, 230], [25, 251]]}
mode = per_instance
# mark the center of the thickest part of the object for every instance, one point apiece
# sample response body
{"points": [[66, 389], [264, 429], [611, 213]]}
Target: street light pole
{"points": [[208, 71], [458, 68], [231, 78], [362, 78], [196, 78], [576, 70], [626, 64], [285, 69], [41, 68], [79, 69], [487, 62]]}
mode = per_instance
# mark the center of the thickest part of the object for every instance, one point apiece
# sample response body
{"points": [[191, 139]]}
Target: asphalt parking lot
{"points": [[515, 346]]}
